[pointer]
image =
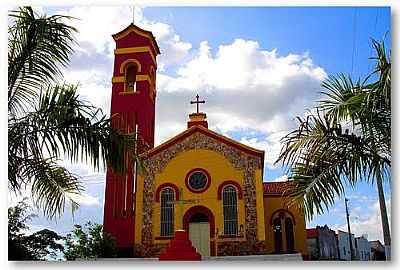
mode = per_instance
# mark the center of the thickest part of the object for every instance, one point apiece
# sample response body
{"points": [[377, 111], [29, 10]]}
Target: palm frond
{"points": [[48, 121], [320, 157], [64, 126], [50, 185], [37, 48]]}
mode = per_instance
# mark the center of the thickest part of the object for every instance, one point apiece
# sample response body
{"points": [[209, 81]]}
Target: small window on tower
{"points": [[130, 78]]}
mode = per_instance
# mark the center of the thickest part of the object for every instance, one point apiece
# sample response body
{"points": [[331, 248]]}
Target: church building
{"points": [[199, 181]]}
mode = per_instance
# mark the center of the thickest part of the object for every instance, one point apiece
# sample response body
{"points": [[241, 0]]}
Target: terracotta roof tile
{"points": [[311, 233], [277, 188]]}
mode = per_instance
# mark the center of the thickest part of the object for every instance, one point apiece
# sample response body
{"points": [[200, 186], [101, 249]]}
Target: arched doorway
{"points": [[282, 222], [199, 222], [198, 218]]}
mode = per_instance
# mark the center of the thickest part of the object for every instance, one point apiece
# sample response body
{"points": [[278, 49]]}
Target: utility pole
{"points": [[348, 229], [384, 217]]}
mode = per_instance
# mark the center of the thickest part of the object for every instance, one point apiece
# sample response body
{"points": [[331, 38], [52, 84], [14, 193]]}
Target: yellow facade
{"points": [[272, 207], [220, 169]]}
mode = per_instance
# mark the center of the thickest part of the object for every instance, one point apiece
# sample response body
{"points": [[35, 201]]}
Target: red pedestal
{"points": [[180, 249]]}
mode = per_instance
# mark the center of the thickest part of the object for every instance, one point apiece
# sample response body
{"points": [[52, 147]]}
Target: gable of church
{"points": [[227, 162], [212, 137]]}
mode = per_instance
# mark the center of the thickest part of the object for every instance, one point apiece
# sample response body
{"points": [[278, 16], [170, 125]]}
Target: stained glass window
{"points": [[198, 180]]}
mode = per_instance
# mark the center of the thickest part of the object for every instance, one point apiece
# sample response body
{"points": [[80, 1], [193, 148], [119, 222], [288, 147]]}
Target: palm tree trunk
{"points": [[384, 217]]}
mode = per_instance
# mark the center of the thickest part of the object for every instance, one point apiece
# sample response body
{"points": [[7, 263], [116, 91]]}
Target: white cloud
{"points": [[246, 88], [85, 199], [82, 169], [282, 178], [33, 228], [270, 144], [15, 198], [94, 86], [173, 49], [92, 63], [96, 26], [366, 219]]}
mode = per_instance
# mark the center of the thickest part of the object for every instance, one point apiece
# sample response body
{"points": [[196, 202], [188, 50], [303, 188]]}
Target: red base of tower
{"points": [[180, 249]]}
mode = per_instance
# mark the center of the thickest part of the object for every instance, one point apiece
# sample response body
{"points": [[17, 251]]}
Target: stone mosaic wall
{"points": [[241, 248], [240, 160], [145, 251]]}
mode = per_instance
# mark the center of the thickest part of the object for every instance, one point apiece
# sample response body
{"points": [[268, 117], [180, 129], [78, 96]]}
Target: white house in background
{"points": [[363, 248], [344, 245]]}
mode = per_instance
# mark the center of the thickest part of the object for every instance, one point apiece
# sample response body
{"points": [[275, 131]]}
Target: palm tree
{"points": [[344, 140], [47, 120]]}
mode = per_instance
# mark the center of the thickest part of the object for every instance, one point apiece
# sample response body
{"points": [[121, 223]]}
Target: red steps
{"points": [[180, 249]]}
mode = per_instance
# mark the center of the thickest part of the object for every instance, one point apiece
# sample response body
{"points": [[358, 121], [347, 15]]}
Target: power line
{"points": [[95, 183], [370, 65], [354, 52], [92, 175], [376, 20]]}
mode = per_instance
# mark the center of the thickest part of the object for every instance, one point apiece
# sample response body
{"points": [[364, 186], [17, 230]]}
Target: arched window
{"points": [[167, 212], [130, 78], [229, 202]]}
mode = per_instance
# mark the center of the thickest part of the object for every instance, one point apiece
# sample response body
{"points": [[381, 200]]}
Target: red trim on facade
{"points": [[207, 132], [197, 190], [199, 209], [312, 233], [157, 49], [232, 183], [197, 123], [282, 210], [165, 185], [212, 248]]}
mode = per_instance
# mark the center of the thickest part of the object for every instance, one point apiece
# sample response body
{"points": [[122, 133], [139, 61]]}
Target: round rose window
{"points": [[197, 180]]}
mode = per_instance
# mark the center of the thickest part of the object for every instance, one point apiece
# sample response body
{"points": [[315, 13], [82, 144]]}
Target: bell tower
{"points": [[132, 110]]}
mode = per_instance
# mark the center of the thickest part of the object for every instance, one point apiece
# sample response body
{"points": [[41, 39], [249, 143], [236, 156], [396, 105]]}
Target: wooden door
{"points": [[277, 227], [199, 234], [289, 235]]}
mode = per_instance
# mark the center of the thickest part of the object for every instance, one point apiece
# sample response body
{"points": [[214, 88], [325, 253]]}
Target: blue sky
{"points": [[306, 43], [327, 33]]}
